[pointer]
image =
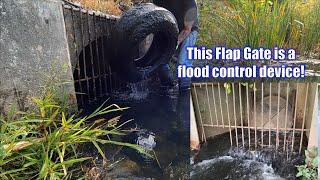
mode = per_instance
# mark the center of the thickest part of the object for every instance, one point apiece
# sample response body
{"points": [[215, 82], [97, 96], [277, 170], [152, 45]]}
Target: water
{"points": [[227, 167], [161, 124], [216, 160]]}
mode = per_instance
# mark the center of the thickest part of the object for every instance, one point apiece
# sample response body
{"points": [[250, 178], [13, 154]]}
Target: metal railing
{"points": [[256, 115], [88, 34]]}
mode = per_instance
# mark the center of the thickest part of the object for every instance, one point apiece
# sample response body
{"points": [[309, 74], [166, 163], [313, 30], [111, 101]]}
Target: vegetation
{"points": [[114, 7], [107, 6], [261, 23], [309, 171], [43, 142]]}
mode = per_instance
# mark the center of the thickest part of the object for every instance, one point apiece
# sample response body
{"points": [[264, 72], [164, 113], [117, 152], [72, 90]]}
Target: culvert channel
{"points": [[256, 130]]}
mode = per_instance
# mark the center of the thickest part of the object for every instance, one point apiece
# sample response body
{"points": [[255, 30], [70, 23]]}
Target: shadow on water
{"points": [[161, 118]]}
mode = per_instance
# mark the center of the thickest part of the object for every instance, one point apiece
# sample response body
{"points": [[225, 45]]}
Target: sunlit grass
{"points": [[106, 6]]}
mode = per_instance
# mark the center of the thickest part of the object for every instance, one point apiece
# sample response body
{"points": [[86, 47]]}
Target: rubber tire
{"points": [[131, 29]]}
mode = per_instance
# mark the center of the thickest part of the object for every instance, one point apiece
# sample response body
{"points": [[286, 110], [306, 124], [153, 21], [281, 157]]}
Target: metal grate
{"points": [[256, 115], [88, 34]]}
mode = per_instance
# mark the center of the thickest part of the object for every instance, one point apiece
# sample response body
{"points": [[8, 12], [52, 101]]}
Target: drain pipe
{"points": [[194, 135]]}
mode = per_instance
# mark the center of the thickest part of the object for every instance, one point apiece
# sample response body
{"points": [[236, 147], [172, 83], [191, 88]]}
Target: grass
{"points": [[106, 6], [261, 23], [43, 142]]}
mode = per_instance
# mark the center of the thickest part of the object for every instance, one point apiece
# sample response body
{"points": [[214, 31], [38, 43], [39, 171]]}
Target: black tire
{"points": [[132, 28]]}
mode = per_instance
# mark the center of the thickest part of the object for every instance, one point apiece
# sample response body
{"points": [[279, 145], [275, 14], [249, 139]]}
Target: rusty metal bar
{"points": [[304, 117], [234, 113], [209, 103], [228, 114], [91, 57], [84, 55], [214, 104]]}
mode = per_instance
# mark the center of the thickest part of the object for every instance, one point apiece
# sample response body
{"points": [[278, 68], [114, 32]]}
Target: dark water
{"points": [[160, 114], [164, 113]]}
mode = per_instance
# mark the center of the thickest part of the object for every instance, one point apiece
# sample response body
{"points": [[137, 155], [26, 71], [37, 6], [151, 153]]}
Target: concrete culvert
{"points": [[275, 116], [131, 30]]}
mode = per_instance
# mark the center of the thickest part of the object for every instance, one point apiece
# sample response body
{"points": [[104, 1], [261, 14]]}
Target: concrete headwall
{"points": [[34, 50]]}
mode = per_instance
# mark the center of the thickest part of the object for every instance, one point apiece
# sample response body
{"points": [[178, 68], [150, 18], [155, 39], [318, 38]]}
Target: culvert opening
{"points": [[246, 124], [88, 34]]}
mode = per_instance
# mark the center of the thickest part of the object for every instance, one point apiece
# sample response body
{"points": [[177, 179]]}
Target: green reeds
{"points": [[261, 23], [44, 143]]}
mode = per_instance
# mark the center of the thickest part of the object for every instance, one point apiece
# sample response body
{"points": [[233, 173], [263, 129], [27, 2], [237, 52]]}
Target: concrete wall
{"points": [[34, 49]]}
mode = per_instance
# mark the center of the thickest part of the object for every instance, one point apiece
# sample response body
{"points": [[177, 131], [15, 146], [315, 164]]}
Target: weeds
{"points": [[309, 171], [261, 23], [43, 143]]}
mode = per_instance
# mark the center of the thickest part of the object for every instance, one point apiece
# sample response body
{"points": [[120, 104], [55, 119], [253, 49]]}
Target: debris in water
{"points": [[146, 139]]}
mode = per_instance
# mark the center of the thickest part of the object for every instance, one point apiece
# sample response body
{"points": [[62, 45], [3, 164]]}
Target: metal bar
{"points": [[295, 117], [286, 118], [228, 114], [278, 111], [248, 112], [103, 56], [215, 105], [209, 103], [274, 129], [270, 95], [304, 117], [107, 66], [97, 52], [84, 55], [242, 131], [201, 122], [90, 78], [91, 57], [255, 116], [234, 113], [76, 51], [262, 123], [219, 92]]}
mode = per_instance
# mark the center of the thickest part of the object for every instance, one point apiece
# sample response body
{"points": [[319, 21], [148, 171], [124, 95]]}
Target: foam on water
{"points": [[234, 168], [139, 90]]}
